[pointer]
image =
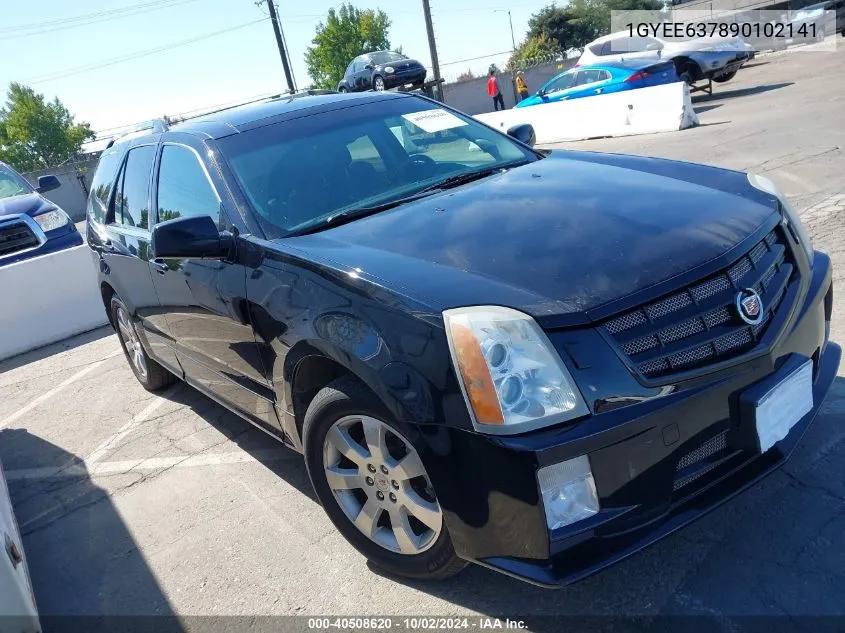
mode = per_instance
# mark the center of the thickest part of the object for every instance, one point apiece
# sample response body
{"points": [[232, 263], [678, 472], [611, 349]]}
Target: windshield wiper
{"points": [[470, 176], [348, 215]]}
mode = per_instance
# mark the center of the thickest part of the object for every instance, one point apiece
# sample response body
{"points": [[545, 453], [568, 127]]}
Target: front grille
{"points": [[699, 325], [15, 237], [701, 460]]}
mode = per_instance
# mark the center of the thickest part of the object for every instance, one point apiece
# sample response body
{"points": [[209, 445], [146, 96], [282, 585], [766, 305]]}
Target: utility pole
{"points": [[432, 47], [277, 29], [510, 19]]}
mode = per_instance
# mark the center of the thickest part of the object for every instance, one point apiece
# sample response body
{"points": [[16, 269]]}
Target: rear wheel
{"points": [[149, 373], [373, 484], [723, 78]]}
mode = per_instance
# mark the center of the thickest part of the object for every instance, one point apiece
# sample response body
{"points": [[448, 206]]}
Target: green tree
{"points": [[35, 134], [347, 33], [581, 21], [533, 50]]}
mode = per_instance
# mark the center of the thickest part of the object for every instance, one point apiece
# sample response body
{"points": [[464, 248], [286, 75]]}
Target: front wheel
{"points": [[378, 83], [342, 89], [373, 484], [723, 78]]}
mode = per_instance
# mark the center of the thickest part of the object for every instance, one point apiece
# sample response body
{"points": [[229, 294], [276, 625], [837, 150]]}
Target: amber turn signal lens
{"points": [[476, 376]]}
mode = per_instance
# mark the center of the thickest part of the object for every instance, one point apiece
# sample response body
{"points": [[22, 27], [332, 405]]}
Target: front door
{"points": [[205, 300]]}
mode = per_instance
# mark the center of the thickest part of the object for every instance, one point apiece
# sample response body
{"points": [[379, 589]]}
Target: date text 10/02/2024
{"points": [[414, 624], [680, 30]]}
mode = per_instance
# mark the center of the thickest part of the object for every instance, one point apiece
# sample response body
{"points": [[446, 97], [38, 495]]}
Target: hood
{"points": [[401, 64], [30, 204], [559, 236]]}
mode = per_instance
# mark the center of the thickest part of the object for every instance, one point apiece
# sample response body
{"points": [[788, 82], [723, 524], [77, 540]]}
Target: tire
{"points": [[151, 375], [820, 35], [342, 89], [336, 418], [724, 78], [685, 70], [378, 83]]}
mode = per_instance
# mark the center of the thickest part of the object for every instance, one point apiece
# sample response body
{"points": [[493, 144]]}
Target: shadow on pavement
{"points": [[272, 453], [82, 558], [740, 92], [707, 108]]}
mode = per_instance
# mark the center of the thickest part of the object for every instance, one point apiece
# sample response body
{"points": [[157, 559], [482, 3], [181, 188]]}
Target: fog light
{"points": [[569, 492]]}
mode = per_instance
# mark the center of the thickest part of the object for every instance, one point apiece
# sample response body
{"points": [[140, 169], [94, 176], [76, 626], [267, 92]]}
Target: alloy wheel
{"points": [[132, 342], [378, 83], [380, 484]]}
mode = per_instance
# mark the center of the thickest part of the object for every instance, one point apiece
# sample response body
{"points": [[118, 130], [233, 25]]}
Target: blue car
{"points": [[31, 225], [597, 79]]}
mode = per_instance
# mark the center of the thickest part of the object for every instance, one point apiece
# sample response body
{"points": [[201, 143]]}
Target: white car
{"points": [[718, 59], [18, 612]]}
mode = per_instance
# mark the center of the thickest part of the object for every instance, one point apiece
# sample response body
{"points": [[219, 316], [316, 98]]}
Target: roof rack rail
{"points": [[154, 126], [310, 92]]}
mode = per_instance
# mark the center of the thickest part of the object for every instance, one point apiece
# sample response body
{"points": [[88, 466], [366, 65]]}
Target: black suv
{"points": [[539, 362]]}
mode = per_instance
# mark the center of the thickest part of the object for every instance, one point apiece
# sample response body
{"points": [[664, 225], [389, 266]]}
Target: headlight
{"points": [[790, 217], [511, 377], [54, 219], [388, 69]]}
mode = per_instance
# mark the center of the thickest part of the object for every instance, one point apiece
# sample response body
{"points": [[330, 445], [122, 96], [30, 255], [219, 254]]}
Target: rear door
{"points": [[588, 83], [126, 248], [205, 300]]}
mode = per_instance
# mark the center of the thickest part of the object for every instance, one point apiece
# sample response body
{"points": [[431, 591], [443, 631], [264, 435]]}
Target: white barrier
{"points": [[656, 109], [47, 299]]}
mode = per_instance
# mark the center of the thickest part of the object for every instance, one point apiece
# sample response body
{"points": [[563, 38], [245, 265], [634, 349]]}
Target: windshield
{"points": [[11, 184], [298, 173], [385, 57]]}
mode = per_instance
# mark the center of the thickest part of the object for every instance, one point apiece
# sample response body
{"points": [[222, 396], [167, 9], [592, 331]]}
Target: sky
{"points": [[45, 45]]}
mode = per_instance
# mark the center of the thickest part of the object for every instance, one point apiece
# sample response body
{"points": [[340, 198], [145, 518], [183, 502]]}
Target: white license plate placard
{"points": [[784, 405]]}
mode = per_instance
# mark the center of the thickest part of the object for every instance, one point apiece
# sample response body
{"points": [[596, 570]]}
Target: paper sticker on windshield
{"points": [[434, 120]]}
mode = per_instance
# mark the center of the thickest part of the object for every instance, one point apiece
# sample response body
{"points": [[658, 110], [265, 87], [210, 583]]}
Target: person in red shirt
{"points": [[494, 91]]}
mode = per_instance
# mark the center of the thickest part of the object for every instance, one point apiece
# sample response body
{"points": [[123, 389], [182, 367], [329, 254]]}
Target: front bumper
{"points": [[658, 463], [56, 240], [411, 76]]}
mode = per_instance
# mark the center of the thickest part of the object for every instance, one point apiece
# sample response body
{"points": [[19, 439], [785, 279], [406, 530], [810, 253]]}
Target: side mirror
{"points": [[368, 67], [47, 183], [194, 237], [523, 133]]}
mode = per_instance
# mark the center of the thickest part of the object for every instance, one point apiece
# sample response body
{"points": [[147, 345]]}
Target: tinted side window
{"points": [[349, 69], [561, 83], [132, 200], [101, 186], [183, 188]]}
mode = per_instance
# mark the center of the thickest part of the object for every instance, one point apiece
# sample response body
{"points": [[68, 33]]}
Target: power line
{"points": [[125, 58], [82, 18], [106, 18]]}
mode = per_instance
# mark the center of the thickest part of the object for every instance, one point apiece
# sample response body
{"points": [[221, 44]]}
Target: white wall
{"points": [[47, 299], [657, 109]]}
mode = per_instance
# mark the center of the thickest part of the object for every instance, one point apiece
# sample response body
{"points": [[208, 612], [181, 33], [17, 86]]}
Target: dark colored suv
{"points": [[381, 70], [539, 362], [31, 225]]}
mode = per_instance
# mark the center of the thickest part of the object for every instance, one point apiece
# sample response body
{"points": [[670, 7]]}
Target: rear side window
{"points": [[101, 186], [132, 199], [183, 187], [596, 49]]}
